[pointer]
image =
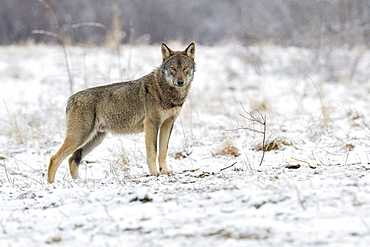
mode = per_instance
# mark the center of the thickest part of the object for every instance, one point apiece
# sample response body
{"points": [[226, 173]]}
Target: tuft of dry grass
{"points": [[121, 162], [227, 234], [181, 155], [261, 105], [21, 128], [227, 149], [275, 144]]}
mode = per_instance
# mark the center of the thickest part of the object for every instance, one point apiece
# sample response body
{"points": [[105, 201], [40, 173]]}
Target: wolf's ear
{"points": [[166, 52], [190, 51]]}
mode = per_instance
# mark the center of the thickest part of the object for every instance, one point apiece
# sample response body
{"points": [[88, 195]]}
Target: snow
{"points": [[315, 106]]}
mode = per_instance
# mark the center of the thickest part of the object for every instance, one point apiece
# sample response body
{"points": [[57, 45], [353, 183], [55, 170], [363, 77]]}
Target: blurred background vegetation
{"points": [[285, 22]]}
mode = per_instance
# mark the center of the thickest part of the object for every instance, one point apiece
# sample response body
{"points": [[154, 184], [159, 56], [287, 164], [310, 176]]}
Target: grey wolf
{"points": [[150, 104]]}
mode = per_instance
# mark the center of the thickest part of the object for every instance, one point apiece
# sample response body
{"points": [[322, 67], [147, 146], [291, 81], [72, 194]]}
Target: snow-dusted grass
{"points": [[316, 107]]}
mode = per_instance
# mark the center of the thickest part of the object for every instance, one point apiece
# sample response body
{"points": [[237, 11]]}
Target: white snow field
{"points": [[312, 188]]}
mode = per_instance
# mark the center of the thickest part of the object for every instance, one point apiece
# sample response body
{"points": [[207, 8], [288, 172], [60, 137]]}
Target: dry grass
{"points": [[21, 128], [181, 155], [121, 161], [227, 234], [227, 149], [261, 105], [26, 125], [275, 144]]}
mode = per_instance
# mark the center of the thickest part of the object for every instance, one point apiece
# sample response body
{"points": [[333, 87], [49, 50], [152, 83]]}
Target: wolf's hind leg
{"points": [[70, 144], [79, 154]]}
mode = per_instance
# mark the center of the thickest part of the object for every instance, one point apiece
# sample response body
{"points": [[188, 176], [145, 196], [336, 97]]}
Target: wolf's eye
{"points": [[173, 68], [186, 67]]}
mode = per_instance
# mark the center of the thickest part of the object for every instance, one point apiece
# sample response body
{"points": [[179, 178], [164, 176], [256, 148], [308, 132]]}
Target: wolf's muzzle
{"points": [[180, 82]]}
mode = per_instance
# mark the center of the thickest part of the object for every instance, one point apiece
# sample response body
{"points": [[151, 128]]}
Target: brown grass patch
{"points": [[227, 149], [276, 144]]}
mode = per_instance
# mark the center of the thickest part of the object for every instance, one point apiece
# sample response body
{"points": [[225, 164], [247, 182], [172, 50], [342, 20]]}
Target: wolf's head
{"points": [[178, 66]]}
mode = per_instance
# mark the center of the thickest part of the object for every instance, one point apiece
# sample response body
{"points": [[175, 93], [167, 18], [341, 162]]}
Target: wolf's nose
{"points": [[180, 82]]}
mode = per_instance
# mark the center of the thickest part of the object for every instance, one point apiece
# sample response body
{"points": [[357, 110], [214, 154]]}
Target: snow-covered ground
{"points": [[317, 115]]}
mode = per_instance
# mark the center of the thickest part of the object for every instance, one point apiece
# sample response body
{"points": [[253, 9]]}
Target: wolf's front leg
{"points": [[151, 136], [164, 137]]}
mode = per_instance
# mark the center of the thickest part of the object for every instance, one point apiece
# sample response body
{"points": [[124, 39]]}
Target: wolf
{"points": [[150, 104]]}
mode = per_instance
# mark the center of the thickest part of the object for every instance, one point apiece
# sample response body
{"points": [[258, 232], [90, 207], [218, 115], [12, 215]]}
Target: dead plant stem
{"points": [[256, 117], [227, 167], [62, 42]]}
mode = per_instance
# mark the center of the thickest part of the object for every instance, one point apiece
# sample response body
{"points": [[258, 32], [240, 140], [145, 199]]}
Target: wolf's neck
{"points": [[169, 95]]}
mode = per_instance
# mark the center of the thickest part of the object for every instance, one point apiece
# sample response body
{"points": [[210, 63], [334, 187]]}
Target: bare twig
{"points": [[7, 174], [90, 24], [47, 33], [366, 225], [324, 110], [300, 200], [227, 167], [241, 128], [61, 39], [306, 162], [263, 140], [114, 35], [257, 117], [367, 126]]}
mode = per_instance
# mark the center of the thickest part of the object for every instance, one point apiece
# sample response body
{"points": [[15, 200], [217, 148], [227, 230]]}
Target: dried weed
{"points": [[276, 144], [227, 149]]}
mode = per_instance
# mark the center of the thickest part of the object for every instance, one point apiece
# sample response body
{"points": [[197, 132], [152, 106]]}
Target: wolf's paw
{"points": [[166, 172], [154, 173]]}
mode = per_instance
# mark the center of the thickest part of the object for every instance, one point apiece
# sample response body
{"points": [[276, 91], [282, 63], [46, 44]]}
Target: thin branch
{"points": [[256, 117], [240, 128], [7, 174], [227, 167], [90, 24], [109, 33], [260, 119], [263, 140], [62, 41], [47, 33]]}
